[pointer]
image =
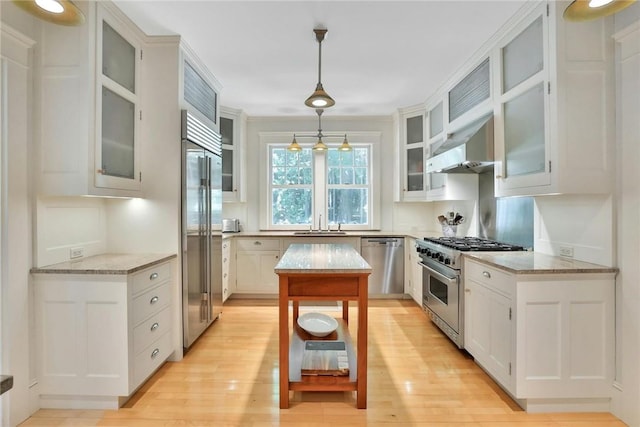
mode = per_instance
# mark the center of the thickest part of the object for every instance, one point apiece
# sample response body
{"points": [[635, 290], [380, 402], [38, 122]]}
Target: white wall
{"points": [[16, 220], [627, 232], [581, 222]]}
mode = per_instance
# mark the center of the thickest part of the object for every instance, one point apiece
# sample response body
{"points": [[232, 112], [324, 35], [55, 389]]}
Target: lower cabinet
{"points": [[255, 261], [413, 271], [547, 339], [228, 268], [100, 336]]}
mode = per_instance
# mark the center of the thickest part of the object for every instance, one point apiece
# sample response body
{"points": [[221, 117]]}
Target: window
{"points": [[291, 186], [308, 188], [348, 186]]}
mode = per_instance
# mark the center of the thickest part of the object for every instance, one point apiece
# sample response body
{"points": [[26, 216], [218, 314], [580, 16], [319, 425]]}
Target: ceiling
{"points": [[378, 56]]}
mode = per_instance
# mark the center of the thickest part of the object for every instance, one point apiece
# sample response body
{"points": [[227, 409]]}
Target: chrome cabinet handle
{"points": [[153, 300], [153, 276], [467, 290], [486, 274], [154, 326], [257, 242], [155, 353]]}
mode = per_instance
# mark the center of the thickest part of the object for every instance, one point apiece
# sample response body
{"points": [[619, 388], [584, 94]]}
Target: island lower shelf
{"points": [[300, 382]]}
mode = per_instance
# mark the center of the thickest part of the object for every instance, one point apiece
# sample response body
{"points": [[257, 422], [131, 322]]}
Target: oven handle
{"points": [[440, 276]]}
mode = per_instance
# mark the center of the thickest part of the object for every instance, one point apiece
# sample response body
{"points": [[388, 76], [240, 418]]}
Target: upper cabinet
{"points": [[91, 106], [199, 89], [553, 106], [412, 135], [232, 125]]}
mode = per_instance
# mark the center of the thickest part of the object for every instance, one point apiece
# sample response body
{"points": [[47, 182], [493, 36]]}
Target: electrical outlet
{"points": [[76, 253], [566, 251]]}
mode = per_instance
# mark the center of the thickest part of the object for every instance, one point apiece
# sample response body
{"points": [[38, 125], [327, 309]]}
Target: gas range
{"points": [[448, 251]]}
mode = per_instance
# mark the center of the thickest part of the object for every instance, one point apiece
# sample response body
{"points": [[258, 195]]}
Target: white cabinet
{"points": [[228, 268], [553, 106], [412, 143], [91, 106], [255, 261], [100, 336], [547, 339], [488, 320], [413, 270], [232, 125]]}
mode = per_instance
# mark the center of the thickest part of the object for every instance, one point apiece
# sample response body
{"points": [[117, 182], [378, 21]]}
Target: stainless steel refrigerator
{"points": [[201, 227]]}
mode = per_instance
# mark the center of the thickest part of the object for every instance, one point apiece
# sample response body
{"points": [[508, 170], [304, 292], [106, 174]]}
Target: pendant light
{"points": [[587, 10], [345, 145], [320, 146], [319, 98], [294, 146], [62, 12]]}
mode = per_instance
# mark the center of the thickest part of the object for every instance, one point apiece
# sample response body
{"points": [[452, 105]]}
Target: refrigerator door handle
{"points": [[208, 239]]}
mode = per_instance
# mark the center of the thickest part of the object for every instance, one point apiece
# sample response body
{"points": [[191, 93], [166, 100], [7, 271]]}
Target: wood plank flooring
{"points": [[417, 377]]}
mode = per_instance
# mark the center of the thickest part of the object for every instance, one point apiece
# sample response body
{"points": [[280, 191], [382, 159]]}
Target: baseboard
{"points": [[566, 405]]}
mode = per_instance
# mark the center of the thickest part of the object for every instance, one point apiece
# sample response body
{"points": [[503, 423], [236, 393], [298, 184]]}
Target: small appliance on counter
{"points": [[230, 225]]}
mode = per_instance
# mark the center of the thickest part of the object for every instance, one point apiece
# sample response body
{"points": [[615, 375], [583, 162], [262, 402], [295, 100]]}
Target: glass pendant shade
{"points": [[62, 12], [345, 145], [587, 10]]}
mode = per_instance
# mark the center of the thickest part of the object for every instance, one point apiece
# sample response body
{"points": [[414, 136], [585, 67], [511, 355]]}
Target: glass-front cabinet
{"points": [[231, 131], [413, 134], [523, 104], [435, 181], [117, 142]]}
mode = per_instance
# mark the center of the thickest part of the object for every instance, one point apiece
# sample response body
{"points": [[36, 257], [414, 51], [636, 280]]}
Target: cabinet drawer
{"points": [[150, 277], [150, 302], [258, 244], [151, 358], [151, 329], [491, 277]]}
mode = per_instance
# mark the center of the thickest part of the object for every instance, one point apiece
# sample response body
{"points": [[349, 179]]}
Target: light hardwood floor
{"points": [[417, 377]]}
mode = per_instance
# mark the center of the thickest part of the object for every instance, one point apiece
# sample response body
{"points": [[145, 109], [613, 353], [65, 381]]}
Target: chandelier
{"points": [[319, 100]]}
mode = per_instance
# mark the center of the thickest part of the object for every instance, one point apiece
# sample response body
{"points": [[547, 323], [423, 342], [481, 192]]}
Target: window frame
{"points": [[320, 186]]}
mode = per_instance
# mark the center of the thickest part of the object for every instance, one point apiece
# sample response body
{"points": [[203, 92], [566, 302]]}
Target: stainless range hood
{"points": [[469, 150]]}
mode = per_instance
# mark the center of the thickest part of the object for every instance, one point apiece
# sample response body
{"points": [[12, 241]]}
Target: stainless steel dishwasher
{"points": [[385, 255]]}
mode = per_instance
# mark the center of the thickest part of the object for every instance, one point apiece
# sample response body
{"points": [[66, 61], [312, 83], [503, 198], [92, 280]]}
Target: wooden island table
{"points": [[322, 272]]}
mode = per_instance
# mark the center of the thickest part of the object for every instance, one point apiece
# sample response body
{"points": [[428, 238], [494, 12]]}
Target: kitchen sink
{"points": [[320, 233]]}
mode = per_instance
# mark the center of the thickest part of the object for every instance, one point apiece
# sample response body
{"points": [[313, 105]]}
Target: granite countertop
{"points": [[536, 263], [106, 264], [416, 234], [321, 258]]}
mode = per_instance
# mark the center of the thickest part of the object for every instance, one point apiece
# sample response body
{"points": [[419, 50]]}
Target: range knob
{"points": [[441, 258], [435, 255], [447, 261]]}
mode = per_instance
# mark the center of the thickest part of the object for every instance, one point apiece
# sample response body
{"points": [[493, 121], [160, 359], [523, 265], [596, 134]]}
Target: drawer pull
{"points": [[257, 243], [154, 326], [155, 353], [153, 300], [153, 276], [486, 274]]}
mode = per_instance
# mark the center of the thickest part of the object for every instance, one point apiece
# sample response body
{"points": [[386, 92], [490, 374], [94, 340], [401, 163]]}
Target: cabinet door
{"points": [[524, 108], [255, 273], [413, 130], [488, 330], [117, 145]]}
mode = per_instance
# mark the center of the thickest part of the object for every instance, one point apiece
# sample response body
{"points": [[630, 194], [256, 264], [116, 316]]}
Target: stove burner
{"points": [[473, 244]]}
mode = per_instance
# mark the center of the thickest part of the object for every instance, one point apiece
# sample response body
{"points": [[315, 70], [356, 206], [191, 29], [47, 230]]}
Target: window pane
{"points": [[333, 158], [361, 157], [293, 176], [348, 206], [347, 176], [334, 176], [361, 176], [292, 158], [346, 158], [278, 176], [306, 176], [305, 157], [278, 156], [291, 206]]}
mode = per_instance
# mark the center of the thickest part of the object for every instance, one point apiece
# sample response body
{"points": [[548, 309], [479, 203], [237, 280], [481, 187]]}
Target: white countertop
{"points": [[106, 264], [313, 258], [416, 234]]}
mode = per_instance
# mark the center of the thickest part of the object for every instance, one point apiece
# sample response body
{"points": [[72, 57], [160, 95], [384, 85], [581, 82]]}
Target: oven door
{"points": [[440, 294]]}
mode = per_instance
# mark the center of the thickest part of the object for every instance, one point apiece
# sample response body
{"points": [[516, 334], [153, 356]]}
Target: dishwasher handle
{"points": [[388, 241]]}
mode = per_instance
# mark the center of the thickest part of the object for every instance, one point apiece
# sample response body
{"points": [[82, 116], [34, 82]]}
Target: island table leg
{"points": [[284, 341]]}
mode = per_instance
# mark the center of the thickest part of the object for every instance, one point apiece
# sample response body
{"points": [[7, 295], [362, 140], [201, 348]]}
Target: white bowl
{"points": [[317, 324]]}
